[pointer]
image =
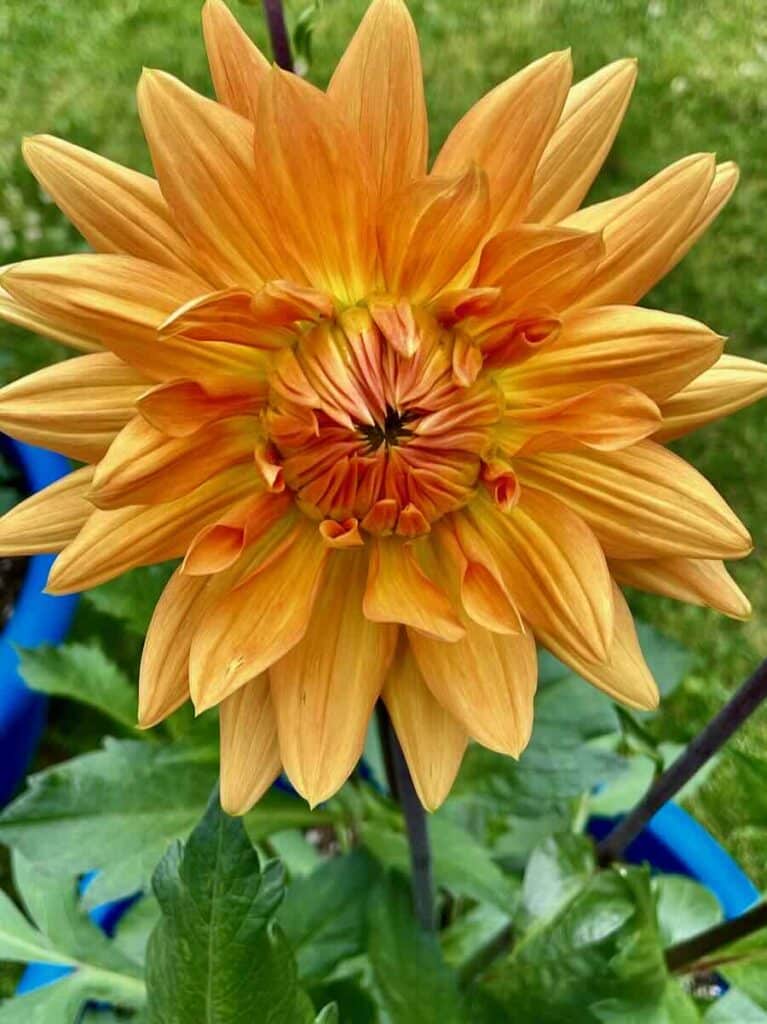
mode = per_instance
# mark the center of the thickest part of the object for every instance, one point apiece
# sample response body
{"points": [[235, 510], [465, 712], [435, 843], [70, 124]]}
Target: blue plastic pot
{"points": [[672, 843], [37, 618]]}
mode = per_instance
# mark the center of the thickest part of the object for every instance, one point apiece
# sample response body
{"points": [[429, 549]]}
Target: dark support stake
{"points": [[706, 743], [401, 786], [699, 952], [278, 33]]}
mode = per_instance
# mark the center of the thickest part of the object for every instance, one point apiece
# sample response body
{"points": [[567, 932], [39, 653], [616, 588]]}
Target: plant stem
{"points": [[695, 953], [704, 746], [278, 33], [402, 789]]}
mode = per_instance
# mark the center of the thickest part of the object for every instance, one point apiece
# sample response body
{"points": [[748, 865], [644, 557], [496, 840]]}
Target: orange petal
{"points": [[49, 519], [116, 209], [204, 157], [658, 353], [259, 621], [575, 152], [112, 542], [378, 85], [324, 689], [120, 301], [22, 315], [432, 741], [695, 580], [486, 681], [642, 502], [181, 407], [250, 756], [506, 131], [75, 407], [722, 187], [624, 674], [453, 210], [398, 590], [730, 384], [315, 176], [145, 467], [643, 229], [237, 66], [554, 569], [608, 418], [538, 267], [218, 546]]}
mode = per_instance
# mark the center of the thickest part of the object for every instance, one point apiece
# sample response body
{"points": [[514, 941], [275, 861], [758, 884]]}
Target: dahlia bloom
{"points": [[398, 423]]}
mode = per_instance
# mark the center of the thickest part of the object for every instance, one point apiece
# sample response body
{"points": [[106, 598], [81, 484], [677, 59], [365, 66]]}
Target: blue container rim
{"points": [[37, 618]]}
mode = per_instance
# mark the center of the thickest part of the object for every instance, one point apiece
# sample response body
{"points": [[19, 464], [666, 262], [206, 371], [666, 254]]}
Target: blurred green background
{"points": [[70, 68]]}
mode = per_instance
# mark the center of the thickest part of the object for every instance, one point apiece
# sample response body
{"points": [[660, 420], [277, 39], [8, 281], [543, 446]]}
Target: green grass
{"points": [[71, 70]]}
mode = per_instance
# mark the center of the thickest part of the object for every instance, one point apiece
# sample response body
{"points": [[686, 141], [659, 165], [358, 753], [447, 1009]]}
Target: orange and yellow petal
{"points": [[432, 740], [237, 66], [250, 755], [49, 519], [325, 687], [694, 580]]}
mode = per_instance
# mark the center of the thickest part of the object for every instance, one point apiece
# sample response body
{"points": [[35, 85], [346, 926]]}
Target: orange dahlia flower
{"points": [[399, 423]]}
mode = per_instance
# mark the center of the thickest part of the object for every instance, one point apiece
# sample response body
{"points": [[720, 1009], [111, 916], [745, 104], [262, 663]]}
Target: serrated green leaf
{"points": [[81, 672], [19, 941], [54, 1004], [684, 907], [216, 953], [115, 810], [600, 951], [557, 870], [674, 1007], [466, 941], [410, 973], [324, 914]]}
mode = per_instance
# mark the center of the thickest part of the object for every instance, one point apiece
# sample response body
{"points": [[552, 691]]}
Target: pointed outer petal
{"points": [[250, 754], [145, 467], [643, 229], [49, 519], [22, 315], [116, 209], [537, 266], [237, 66], [554, 569], [722, 187], [341, 535], [486, 681], [730, 384], [694, 580], [111, 542], [218, 546], [315, 177], [624, 674], [429, 233], [75, 407], [432, 741], [259, 621], [324, 689], [120, 301], [398, 590], [656, 352], [506, 132], [378, 85], [606, 419], [575, 152], [476, 577], [181, 407], [204, 157], [642, 502]]}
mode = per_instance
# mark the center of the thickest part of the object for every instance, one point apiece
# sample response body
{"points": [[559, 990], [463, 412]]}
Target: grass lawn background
{"points": [[70, 69]]}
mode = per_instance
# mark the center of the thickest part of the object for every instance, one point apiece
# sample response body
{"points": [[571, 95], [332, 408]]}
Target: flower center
{"points": [[371, 424]]}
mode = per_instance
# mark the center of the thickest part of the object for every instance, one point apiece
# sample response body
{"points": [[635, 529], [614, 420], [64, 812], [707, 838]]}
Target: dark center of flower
{"points": [[391, 432]]}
